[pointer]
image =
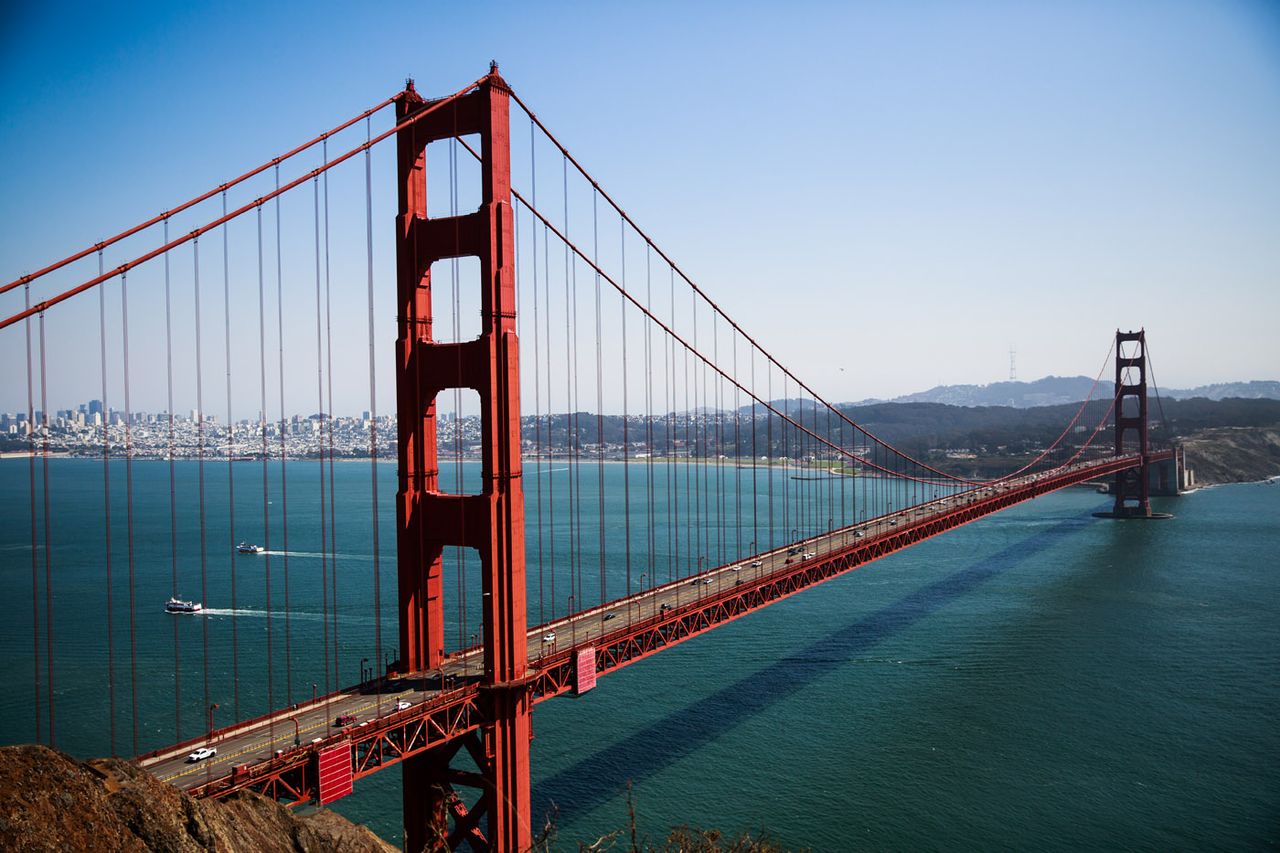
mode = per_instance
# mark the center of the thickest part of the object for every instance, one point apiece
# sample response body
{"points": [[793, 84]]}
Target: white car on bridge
{"points": [[201, 754]]}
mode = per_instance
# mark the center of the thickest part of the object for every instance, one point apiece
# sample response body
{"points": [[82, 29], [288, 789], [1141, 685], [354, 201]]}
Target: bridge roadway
{"points": [[283, 742]]}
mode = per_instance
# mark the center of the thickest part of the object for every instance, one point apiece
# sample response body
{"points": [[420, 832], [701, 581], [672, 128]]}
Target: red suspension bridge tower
{"points": [[491, 522]]}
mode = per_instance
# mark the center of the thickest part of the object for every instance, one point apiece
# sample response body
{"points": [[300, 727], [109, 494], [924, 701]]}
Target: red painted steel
{"points": [[205, 196], [45, 304], [584, 670], [441, 724], [493, 521], [333, 773], [1132, 486]]}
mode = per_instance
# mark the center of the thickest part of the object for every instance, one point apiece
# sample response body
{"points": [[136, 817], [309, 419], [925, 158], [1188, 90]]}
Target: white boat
{"points": [[247, 548], [175, 605]]}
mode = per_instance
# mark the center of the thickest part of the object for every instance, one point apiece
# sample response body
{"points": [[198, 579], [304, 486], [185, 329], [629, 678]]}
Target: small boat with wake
{"points": [[249, 548], [176, 605]]}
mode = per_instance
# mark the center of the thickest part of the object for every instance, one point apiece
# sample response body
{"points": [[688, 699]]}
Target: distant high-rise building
{"points": [[95, 407]]}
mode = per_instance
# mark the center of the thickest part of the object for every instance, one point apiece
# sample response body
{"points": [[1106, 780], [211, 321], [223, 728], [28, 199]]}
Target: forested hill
{"points": [[1054, 390]]}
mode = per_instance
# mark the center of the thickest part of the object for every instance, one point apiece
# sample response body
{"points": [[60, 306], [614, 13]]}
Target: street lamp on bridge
{"points": [[211, 710], [573, 624]]}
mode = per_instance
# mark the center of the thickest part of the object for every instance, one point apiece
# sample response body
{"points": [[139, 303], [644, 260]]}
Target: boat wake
{"points": [[304, 616], [317, 555]]}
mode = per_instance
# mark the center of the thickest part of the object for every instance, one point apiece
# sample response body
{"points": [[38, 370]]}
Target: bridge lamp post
{"points": [[473, 642], [573, 624], [211, 710], [363, 661], [643, 575], [313, 693], [297, 732], [794, 533]]}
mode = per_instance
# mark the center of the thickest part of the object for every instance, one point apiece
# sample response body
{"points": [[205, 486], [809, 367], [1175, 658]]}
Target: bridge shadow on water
{"points": [[599, 777]]}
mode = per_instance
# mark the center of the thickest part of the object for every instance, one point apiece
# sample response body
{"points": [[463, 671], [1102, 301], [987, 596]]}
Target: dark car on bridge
{"points": [[344, 719]]}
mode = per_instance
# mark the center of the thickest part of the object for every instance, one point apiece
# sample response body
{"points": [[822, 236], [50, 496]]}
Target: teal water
{"points": [[1038, 679]]}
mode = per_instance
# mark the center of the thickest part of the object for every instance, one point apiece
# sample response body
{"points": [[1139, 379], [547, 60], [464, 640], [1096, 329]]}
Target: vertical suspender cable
{"points": [[128, 502], [324, 548], [35, 552], [668, 399], [262, 423], [328, 349], [204, 566], [737, 455], [173, 495], [537, 373], [722, 485], [231, 479], [106, 506], [786, 462], [570, 376], [595, 230], [284, 455], [128, 490], [576, 501], [648, 418], [768, 443], [48, 543], [551, 483], [695, 420], [373, 412], [691, 496], [626, 446], [756, 546]]}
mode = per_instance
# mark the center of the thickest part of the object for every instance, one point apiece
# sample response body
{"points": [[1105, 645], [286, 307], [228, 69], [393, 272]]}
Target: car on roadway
{"points": [[706, 581], [201, 754], [609, 616], [344, 720], [403, 704], [549, 637], [755, 564], [664, 606]]}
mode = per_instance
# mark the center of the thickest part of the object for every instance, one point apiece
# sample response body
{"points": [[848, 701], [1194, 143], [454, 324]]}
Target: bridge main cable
{"points": [[222, 188], [714, 306], [44, 305]]}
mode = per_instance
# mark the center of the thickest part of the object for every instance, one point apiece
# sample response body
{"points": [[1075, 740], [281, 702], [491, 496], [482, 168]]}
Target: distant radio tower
{"points": [[1013, 365]]}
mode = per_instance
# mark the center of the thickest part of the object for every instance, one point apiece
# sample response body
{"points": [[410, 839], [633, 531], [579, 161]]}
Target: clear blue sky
{"points": [[902, 190]]}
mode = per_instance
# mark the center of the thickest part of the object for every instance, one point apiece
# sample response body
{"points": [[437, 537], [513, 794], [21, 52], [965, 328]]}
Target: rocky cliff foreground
{"points": [[49, 801], [1233, 454]]}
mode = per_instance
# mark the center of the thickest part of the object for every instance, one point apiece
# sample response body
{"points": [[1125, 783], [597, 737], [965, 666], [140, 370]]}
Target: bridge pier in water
{"points": [[491, 522]]}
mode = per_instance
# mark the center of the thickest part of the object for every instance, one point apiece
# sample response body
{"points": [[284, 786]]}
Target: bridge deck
{"points": [[261, 754]]}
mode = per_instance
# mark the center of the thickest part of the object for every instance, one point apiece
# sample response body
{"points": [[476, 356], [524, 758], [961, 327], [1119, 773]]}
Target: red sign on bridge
{"points": [[334, 775], [585, 670]]}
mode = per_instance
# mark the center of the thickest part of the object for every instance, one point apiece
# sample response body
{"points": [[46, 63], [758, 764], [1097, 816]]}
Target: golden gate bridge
{"points": [[740, 485]]}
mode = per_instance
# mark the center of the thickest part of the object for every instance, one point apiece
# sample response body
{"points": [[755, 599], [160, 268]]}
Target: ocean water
{"points": [[1039, 679]]}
